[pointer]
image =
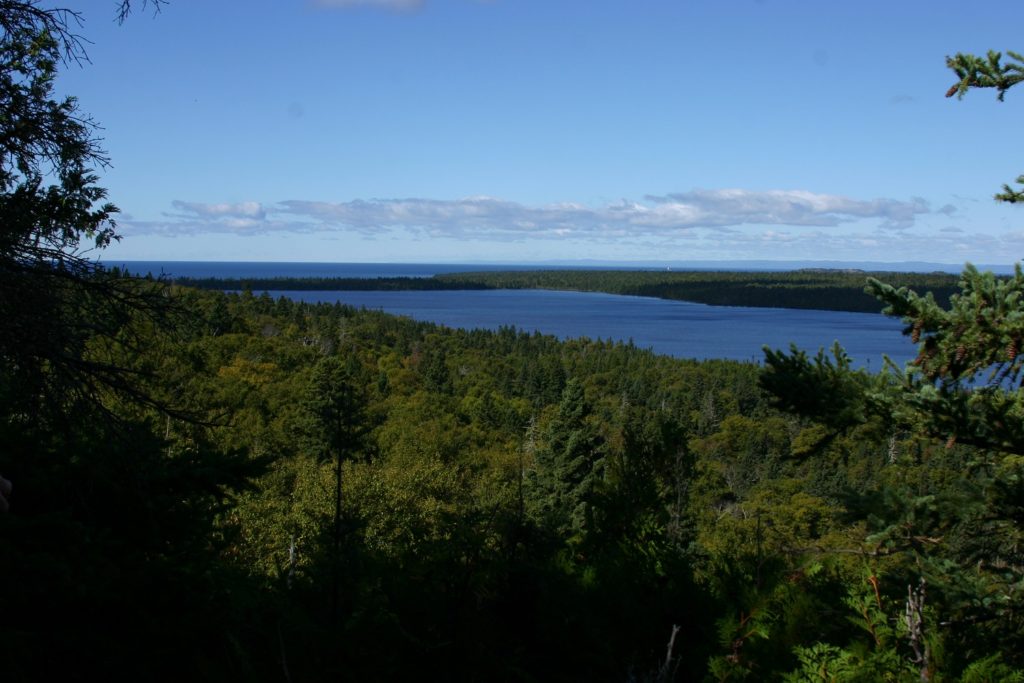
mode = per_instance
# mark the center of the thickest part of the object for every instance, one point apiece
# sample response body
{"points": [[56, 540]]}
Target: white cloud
{"points": [[726, 220], [939, 246], [196, 218], [491, 217], [791, 207], [243, 210]]}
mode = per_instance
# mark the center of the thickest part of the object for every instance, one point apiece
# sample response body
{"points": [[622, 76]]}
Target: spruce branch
{"points": [[990, 71], [1011, 195]]}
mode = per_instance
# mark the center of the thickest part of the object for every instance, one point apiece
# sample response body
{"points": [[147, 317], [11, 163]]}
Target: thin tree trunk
{"points": [[336, 573]]}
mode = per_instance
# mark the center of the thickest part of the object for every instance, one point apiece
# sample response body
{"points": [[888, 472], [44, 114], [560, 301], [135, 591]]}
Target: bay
{"points": [[675, 328]]}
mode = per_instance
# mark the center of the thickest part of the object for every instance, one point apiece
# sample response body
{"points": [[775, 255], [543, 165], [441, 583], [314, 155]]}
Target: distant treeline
{"points": [[834, 290], [332, 284]]}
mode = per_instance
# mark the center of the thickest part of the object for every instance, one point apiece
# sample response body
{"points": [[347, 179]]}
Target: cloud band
{"points": [[491, 218]]}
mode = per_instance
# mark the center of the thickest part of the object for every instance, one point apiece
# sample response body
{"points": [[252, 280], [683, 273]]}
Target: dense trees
{"points": [[942, 523], [567, 468], [516, 502], [949, 523], [219, 486], [512, 507]]}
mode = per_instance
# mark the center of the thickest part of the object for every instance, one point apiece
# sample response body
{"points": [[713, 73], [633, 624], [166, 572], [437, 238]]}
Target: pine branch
{"points": [[989, 71], [1011, 195], [985, 72]]}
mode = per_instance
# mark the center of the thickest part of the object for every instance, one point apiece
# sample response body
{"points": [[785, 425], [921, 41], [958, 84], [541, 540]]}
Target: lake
{"points": [[676, 328]]}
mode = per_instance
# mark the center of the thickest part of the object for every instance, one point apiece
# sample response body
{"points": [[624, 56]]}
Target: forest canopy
{"points": [[218, 485]]}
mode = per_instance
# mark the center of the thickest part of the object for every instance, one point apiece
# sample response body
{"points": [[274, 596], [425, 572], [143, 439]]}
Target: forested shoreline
{"points": [[832, 290]]}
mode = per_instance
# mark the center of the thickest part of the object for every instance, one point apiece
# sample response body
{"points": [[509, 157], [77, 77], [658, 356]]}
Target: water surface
{"points": [[676, 328]]}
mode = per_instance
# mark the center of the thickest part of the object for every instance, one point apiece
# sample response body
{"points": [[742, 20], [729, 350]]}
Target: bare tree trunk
{"points": [[667, 671], [915, 629]]}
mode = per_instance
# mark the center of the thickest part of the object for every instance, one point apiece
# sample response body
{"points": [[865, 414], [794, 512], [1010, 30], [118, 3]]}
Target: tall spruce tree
{"points": [[335, 429], [567, 469]]}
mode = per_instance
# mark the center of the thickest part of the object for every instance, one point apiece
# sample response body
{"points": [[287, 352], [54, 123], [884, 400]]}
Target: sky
{"points": [[524, 131]]}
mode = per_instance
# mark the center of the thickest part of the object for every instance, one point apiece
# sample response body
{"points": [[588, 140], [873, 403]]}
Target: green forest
{"points": [[833, 290], [266, 489], [209, 485]]}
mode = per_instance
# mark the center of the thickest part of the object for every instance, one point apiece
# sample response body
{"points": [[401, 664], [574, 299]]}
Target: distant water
{"points": [[676, 328]]}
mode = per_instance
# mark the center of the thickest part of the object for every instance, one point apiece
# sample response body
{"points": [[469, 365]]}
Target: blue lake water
{"points": [[676, 328]]}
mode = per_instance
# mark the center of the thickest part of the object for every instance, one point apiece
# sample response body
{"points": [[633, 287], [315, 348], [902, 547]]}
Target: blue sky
{"points": [[532, 130]]}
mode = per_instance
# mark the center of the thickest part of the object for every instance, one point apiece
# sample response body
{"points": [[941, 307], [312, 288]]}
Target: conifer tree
{"points": [[335, 427], [53, 298], [965, 387], [567, 468]]}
